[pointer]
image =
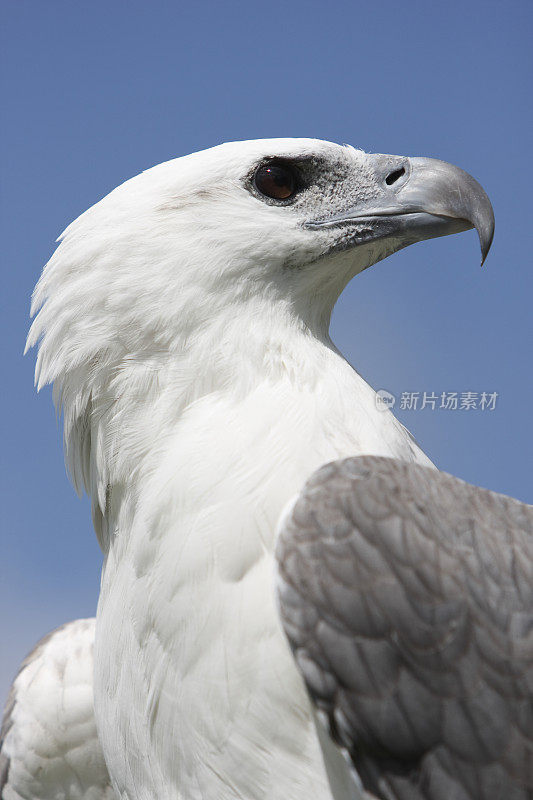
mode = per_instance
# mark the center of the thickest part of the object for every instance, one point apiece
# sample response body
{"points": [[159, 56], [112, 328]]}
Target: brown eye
{"points": [[276, 180]]}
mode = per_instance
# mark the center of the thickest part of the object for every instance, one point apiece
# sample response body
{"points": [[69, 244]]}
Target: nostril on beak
{"points": [[394, 176]]}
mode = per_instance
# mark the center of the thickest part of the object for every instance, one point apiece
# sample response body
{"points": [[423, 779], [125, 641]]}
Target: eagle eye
{"points": [[276, 180]]}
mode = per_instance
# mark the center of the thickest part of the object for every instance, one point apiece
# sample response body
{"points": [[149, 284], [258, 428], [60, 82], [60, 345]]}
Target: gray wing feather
{"points": [[407, 598]]}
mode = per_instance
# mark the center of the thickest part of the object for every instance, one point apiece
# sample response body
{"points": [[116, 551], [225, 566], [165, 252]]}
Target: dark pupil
{"points": [[275, 180]]}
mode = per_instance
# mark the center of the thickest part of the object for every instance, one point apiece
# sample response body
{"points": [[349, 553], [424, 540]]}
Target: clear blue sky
{"points": [[95, 92]]}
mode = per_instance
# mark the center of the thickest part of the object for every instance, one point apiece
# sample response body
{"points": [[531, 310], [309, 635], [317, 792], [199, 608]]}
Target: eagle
{"points": [[184, 324]]}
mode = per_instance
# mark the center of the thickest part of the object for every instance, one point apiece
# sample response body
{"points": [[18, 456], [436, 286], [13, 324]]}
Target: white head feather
{"points": [[183, 269]]}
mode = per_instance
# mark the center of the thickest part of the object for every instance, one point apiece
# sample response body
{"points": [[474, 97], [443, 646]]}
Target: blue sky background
{"points": [[95, 92]]}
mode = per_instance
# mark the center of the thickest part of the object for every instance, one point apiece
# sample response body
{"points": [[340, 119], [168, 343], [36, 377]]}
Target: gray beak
{"points": [[418, 198]]}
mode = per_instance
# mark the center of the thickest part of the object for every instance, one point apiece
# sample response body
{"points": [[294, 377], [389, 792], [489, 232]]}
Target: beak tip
{"points": [[485, 240], [447, 190], [483, 219]]}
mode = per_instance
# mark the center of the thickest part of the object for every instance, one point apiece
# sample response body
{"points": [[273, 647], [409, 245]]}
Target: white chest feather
{"points": [[193, 669]]}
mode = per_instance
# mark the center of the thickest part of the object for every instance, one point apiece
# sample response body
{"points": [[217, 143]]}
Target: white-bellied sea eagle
{"points": [[183, 322]]}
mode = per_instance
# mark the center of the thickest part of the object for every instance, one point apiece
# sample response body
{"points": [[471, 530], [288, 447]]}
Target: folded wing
{"points": [[407, 598], [49, 747]]}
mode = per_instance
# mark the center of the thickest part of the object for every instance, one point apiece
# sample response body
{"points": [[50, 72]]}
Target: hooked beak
{"points": [[418, 198]]}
